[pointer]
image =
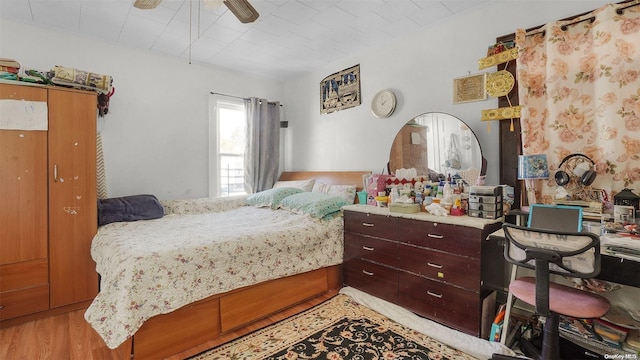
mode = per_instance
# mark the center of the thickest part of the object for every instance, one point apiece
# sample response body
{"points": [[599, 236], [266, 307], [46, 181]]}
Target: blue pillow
{"points": [[272, 197], [316, 204]]}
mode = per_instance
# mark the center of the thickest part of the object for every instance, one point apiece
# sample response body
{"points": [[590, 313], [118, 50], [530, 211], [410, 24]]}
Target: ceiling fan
{"points": [[242, 9]]}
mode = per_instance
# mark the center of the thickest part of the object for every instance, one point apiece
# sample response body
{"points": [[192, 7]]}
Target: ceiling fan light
{"points": [[212, 4], [243, 10], [146, 4]]}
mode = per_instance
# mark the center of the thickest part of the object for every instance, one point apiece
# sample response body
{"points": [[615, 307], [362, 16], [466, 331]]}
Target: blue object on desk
{"points": [[563, 218]]}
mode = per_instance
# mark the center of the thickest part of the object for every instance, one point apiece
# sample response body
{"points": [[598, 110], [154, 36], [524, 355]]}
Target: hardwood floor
{"points": [[69, 337]]}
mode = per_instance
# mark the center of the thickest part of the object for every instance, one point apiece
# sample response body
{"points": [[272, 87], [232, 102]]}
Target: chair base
{"points": [[550, 343]]}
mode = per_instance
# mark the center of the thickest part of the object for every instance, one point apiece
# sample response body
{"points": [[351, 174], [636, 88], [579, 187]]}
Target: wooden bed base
{"points": [[205, 320]]}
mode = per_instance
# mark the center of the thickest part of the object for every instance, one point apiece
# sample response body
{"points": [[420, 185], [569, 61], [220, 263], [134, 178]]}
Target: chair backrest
{"points": [[574, 254]]}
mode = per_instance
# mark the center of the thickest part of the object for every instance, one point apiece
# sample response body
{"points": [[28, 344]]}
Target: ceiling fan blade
{"points": [[146, 4], [242, 10]]}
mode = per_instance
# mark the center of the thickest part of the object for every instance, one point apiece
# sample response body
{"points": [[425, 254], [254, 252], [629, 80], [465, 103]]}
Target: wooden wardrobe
{"points": [[48, 204]]}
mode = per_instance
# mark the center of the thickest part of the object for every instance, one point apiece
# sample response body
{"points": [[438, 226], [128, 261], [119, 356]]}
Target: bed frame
{"points": [[208, 319]]}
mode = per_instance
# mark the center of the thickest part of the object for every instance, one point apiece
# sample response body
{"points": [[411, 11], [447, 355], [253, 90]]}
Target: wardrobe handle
{"points": [[437, 266], [434, 294], [367, 248], [367, 272], [367, 224], [435, 236], [55, 173]]}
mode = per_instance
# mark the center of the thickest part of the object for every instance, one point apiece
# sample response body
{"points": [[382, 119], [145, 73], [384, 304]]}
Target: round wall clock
{"points": [[383, 103]]}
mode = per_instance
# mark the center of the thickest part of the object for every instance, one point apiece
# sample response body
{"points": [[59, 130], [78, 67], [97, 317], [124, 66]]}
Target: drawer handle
{"points": [[436, 236], [434, 294], [437, 266], [367, 248], [1, 307], [368, 224], [367, 272]]}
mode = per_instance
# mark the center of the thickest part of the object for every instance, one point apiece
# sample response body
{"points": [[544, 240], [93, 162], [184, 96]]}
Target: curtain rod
{"points": [[591, 19], [237, 97], [564, 27], [621, 10]]}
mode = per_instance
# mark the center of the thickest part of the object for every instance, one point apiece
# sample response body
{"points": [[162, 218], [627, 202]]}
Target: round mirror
{"points": [[438, 145]]}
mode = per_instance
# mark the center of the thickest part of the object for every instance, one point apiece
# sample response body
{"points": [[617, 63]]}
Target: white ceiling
{"points": [[289, 38]]}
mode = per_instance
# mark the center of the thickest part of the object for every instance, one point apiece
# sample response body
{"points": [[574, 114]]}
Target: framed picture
{"points": [[470, 88], [340, 90]]}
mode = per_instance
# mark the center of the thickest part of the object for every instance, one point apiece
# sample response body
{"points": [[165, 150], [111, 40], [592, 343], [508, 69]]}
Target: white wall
{"points": [[155, 137], [421, 71]]}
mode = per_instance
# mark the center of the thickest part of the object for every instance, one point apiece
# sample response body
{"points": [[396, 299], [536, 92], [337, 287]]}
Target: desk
{"points": [[619, 270], [614, 269]]}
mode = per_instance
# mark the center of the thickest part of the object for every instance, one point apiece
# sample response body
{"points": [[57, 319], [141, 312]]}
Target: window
{"points": [[227, 144]]}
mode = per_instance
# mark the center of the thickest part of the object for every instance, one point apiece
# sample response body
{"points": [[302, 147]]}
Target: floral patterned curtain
{"points": [[579, 85]]}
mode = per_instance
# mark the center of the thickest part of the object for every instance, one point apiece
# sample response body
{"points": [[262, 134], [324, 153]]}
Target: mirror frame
{"points": [[416, 145]]}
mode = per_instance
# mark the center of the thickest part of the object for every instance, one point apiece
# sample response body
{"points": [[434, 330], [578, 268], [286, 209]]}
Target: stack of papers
{"points": [[622, 245]]}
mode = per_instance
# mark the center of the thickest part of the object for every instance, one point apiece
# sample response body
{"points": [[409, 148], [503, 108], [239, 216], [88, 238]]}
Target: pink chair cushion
{"points": [[563, 300]]}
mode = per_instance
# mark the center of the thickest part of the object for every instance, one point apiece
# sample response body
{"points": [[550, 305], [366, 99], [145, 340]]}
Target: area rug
{"points": [[338, 328]]}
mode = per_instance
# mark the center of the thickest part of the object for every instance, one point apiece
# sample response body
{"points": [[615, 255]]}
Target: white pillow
{"points": [[347, 192], [304, 185]]}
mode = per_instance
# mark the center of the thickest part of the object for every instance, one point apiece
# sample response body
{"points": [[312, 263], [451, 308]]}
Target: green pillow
{"points": [[319, 205], [272, 197]]}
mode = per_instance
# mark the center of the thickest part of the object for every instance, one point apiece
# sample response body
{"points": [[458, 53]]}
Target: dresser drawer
{"points": [[384, 227], [460, 240], [382, 251], [24, 274], [22, 302], [449, 305], [457, 270], [377, 280]]}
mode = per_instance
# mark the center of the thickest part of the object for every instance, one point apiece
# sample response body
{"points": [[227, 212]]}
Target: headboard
{"points": [[329, 177]]}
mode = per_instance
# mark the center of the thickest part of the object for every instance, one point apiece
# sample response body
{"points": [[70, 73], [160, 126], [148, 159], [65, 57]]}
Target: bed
{"points": [[210, 266]]}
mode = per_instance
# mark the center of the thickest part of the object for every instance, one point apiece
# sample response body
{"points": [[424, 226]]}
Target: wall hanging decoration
{"points": [[498, 54], [469, 88], [500, 83], [340, 90], [510, 112]]}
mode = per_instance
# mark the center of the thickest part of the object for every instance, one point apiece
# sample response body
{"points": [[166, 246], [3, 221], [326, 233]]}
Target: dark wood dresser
{"points": [[438, 267]]}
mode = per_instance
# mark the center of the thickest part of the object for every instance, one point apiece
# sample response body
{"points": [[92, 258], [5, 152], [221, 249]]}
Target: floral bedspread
{"points": [[200, 248]]}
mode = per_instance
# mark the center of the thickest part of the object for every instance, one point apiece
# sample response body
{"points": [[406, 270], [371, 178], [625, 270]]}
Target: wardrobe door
{"points": [[23, 185], [72, 196], [24, 287]]}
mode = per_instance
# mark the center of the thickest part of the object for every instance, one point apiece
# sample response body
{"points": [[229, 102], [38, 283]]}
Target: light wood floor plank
{"points": [[60, 329], [69, 337], [79, 336], [6, 338], [18, 348], [44, 332]]}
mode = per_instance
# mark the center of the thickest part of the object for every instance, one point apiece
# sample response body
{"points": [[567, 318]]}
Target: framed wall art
{"points": [[470, 88], [340, 90]]}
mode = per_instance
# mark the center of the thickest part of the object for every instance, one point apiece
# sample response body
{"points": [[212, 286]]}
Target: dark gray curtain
{"points": [[262, 155]]}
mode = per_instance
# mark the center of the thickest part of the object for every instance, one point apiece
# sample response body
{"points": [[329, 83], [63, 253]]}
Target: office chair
{"points": [[572, 254]]}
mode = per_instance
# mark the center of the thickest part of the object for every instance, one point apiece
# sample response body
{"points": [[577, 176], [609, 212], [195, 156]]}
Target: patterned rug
{"points": [[339, 328]]}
